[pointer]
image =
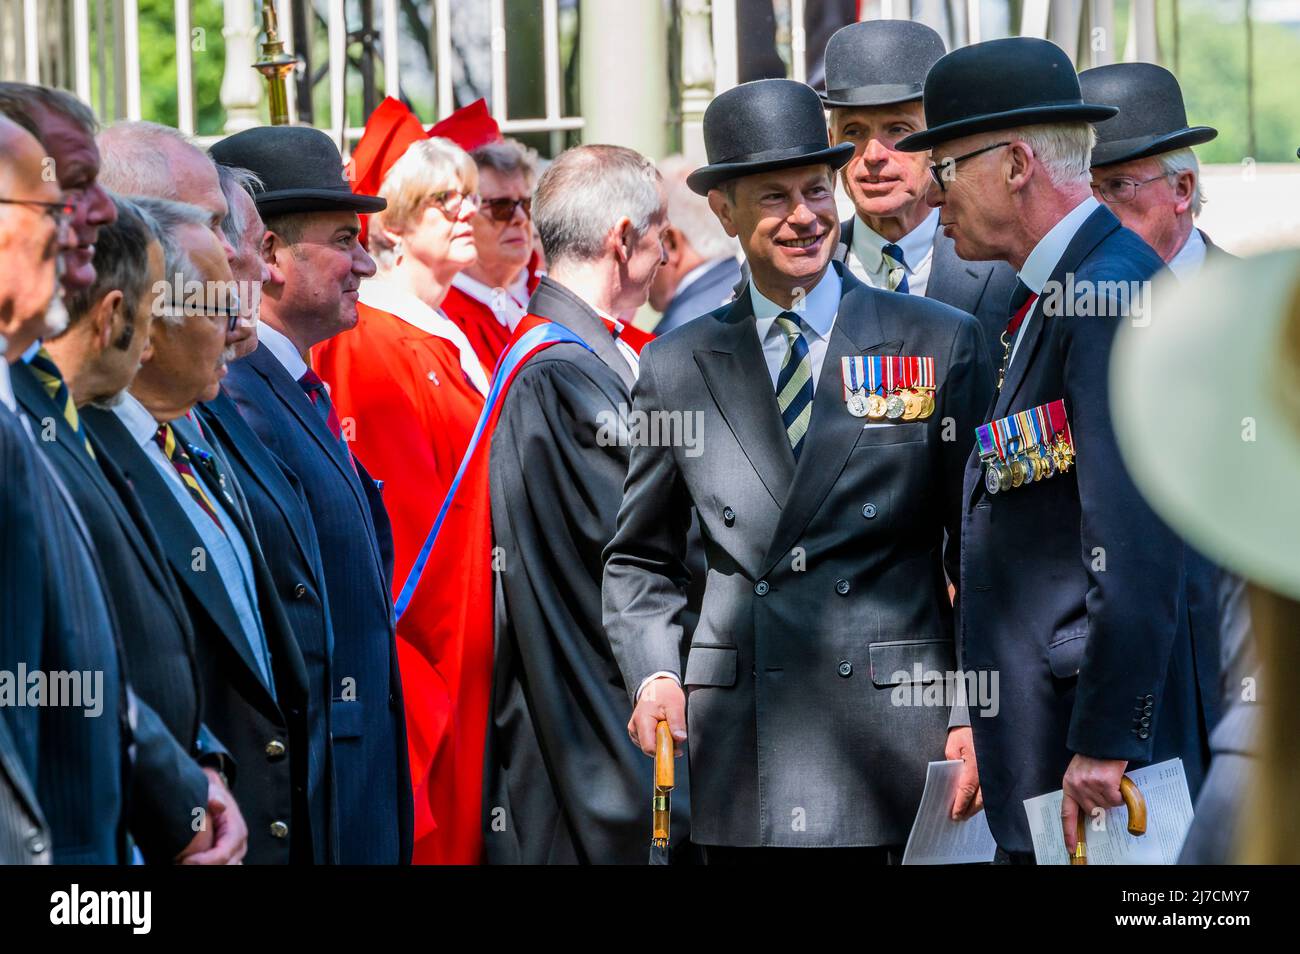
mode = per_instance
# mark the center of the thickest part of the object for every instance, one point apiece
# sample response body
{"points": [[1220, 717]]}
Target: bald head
{"points": [[29, 240]]}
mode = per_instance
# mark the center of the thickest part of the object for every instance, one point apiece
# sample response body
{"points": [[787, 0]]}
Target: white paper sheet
{"points": [[935, 838], [1169, 815]]}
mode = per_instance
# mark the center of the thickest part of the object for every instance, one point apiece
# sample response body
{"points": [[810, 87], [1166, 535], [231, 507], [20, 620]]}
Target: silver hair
{"points": [[584, 193], [1184, 160], [690, 214], [1064, 149], [133, 162], [167, 218], [233, 181], [17, 101], [508, 157]]}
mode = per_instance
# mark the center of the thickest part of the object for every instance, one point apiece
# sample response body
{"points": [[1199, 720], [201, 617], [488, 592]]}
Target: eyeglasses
{"points": [[453, 201], [943, 171], [227, 316], [503, 209], [60, 213], [1121, 189]]}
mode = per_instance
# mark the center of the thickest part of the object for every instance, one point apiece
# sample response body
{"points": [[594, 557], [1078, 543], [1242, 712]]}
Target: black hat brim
{"points": [[1126, 150], [1007, 119], [285, 201], [710, 177], [880, 95]]}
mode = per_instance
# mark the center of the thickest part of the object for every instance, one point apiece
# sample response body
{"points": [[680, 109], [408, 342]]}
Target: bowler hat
{"points": [[1152, 118], [300, 167], [764, 125], [879, 62], [1001, 84]]}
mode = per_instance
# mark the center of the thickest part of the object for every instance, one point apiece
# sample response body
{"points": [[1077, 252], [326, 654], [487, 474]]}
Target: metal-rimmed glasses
{"points": [[947, 168]]}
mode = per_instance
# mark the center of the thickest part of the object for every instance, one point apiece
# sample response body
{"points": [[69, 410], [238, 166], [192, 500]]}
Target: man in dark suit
{"points": [[253, 679], [824, 485], [316, 267], [93, 360], [700, 269], [1073, 590], [24, 836], [874, 73]]}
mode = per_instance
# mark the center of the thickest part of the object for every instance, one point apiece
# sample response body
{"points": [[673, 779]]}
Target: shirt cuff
{"points": [[656, 675]]}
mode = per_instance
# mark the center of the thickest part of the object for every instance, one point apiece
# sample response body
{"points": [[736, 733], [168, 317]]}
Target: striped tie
{"points": [[165, 438], [48, 373], [794, 384], [896, 266]]}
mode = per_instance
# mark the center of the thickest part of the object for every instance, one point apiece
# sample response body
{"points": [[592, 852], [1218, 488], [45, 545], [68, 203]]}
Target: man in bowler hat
{"points": [[316, 265], [1072, 589], [826, 613], [875, 71]]}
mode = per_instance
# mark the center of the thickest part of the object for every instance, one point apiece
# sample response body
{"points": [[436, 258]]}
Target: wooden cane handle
{"points": [[1136, 806], [663, 757]]}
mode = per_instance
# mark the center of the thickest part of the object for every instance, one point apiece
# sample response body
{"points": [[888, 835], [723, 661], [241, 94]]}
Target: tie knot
{"points": [[165, 438], [311, 381], [1019, 296], [895, 254], [43, 362], [790, 323]]}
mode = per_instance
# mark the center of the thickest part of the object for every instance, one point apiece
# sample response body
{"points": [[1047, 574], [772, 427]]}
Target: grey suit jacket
{"points": [[807, 719]]}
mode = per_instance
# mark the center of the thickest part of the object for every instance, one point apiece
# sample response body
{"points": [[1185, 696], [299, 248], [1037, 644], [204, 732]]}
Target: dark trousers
{"points": [[802, 857]]}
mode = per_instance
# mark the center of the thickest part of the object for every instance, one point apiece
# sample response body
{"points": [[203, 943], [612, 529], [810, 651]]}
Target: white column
{"points": [[624, 75], [241, 85], [1142, 45], [697, 75]]}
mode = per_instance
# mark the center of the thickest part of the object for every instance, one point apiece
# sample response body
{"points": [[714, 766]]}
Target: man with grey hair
{"points": [[563, 785], [701, 266], [1088, 625]]}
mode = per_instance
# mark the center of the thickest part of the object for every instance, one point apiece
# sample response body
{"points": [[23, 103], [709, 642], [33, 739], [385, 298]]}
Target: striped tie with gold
{"points": [[165, 437], [48, 373], [794, 384]]}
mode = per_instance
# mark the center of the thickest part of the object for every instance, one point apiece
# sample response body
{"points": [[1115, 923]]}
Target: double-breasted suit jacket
{"points": [[807, 721]]}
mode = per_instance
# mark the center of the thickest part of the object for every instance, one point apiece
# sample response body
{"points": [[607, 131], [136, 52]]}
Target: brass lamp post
{"points": [[276, 65]]}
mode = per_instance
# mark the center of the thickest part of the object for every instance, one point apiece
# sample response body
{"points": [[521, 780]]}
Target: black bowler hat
{"points": [[300, 167], [1001, 84], [878, 62], [1152, 118], [764, 125]]}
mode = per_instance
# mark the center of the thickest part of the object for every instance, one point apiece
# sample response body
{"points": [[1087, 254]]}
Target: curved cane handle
{"points": [[1136, 807]]}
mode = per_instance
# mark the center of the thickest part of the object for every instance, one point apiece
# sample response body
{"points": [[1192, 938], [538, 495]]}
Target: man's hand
{"points": [[970, 799], [225, 828], [661, 699], [1088, 784]]}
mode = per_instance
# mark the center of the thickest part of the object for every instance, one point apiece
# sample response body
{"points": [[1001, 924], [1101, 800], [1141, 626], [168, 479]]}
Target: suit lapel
{"points": [[953, 280], [735, 373], [845, 244]]}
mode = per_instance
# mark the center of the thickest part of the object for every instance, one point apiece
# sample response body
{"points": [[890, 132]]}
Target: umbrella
{"points": [[1136, 806], [662, 795]]}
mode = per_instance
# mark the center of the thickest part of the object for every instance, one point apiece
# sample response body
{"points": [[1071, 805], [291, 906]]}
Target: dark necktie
{"points": [[165, 437], [896, 267], [1022, 300], [319, 396], [51, 378]]}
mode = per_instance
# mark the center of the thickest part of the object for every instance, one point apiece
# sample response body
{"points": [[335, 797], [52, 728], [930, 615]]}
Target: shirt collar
{"points": [[135, 417], [516, 291], [869, 245], [1042, 261], [285, 351], [6, 386], [696, 273], [819, 306], [1190, 257]]}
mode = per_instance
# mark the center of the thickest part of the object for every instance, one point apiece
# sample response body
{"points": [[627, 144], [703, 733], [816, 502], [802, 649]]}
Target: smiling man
{"points": [[824, 485], [874, 76]]}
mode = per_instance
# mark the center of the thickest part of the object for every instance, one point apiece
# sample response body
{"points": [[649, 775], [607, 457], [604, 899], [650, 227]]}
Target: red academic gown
{"points": [[413, 409], [476, 318]]}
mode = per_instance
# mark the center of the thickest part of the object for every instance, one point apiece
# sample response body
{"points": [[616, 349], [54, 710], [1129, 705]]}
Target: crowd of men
{"points": [[190, 542]]}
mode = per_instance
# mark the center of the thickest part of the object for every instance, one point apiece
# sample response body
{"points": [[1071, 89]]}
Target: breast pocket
{"points": [[881, 435]]}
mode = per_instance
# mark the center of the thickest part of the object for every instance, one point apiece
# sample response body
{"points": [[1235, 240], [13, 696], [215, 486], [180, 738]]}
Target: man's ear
{"points": [[624, 236], [1184, 190], [674, 243], [722, 209], [108, 318], [1020, 165], [272, 247]]}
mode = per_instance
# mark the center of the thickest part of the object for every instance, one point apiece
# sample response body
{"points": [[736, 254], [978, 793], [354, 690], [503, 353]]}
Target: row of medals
{"points": [[908, 404], [1037, 463]]}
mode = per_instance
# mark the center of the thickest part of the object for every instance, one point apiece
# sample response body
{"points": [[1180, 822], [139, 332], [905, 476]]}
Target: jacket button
{"points": [[279, 829], [1146, 721], [1144, 733], [761, 587], [845, 668], [36, 843], [1146, 710], [274, 749], [300, 591], [842, 587], [868, 510], [1149, 700], [728, 515]]}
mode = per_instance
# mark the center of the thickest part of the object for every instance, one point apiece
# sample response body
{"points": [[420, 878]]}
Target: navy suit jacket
{"points": [[372, 772], [713, 288], [278, 511], [1073, 592]]}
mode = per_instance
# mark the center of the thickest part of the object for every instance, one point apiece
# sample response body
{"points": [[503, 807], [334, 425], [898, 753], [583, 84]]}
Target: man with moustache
{"points": [[874, 75], [828, 493], [253, 678], [93, 361], [316, 266], [1073, 590]]}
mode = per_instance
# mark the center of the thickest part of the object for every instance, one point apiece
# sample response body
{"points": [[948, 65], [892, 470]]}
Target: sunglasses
{"points": [[503, 209]]}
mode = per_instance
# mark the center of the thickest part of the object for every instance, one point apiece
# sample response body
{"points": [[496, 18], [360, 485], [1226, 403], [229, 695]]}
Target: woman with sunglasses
{"points": [[408, 389], [489, 297]]}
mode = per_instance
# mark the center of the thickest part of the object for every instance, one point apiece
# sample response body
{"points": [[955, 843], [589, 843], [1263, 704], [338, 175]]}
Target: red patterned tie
{"points": [[165, 437], [320, 399]]}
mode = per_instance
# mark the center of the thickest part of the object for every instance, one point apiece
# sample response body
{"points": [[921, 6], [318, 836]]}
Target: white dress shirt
{"points": [[1190, 257], [285, 351], [1042, 261], [817, 313], [508, 306], [867, 254], [626, 350], [6, 385], [401, 304]]}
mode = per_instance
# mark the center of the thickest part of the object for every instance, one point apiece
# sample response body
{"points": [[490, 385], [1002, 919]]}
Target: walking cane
{"points": [[1134, 804], [663, 795]]}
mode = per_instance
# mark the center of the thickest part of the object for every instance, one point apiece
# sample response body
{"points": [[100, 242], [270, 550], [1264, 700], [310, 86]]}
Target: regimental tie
{"points": [[896, 267], [794, 384], [48, 373], [1022, 300], [165, 437], [319, 396]]}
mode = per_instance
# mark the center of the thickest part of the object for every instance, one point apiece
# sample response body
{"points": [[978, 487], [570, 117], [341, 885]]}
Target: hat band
{"points": [[769, 155], [891, 90]]}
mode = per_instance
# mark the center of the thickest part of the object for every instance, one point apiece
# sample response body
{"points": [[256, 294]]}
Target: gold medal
{"points": [[912, 403], [927, 403], [1017, 471], [1004, 476], [875, 407]]}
